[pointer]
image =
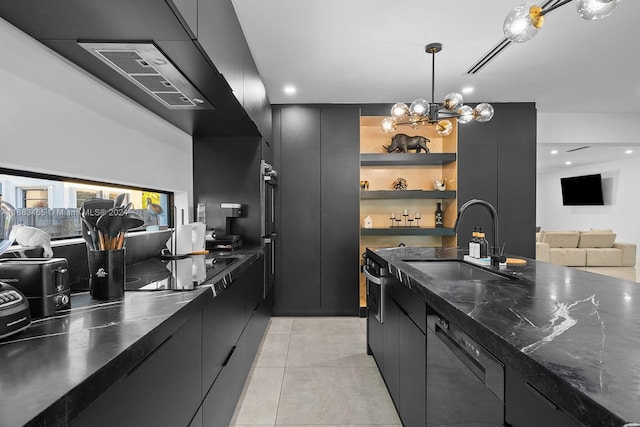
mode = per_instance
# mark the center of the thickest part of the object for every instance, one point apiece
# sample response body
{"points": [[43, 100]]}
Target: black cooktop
{"points": [[176, 274]]}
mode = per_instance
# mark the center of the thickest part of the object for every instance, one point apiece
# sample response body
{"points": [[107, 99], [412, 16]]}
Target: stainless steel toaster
{"points": [[44, 281]]}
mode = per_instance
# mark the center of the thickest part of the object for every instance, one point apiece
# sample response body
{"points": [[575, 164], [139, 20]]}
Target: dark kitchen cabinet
{"points": [[404, 354], [412, 373], [233, 329], [220, 403], [197, 419], [375, 340], [497, 163], [223, 322], [163, 390], [298, 289], [194, 376], [220, 36], [339, 210], [527, 407], [188, 12], [391, 353], [317, 153]]}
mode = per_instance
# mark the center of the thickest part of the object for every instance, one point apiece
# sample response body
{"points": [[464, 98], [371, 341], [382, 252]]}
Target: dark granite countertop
{"points": [[572, 334], [60, 365]]}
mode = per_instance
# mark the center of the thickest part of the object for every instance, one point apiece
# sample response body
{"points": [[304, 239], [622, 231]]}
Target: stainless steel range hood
{"points": [[147, 67]]}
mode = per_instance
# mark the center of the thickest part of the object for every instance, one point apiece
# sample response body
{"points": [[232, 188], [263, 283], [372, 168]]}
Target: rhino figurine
{"points": [[402, 142]]}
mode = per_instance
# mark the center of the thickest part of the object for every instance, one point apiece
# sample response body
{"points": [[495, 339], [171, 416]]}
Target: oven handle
{"points": [[370, 277]]}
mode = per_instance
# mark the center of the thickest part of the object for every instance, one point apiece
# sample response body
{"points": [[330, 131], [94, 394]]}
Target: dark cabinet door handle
{"points": [[226, 361]]}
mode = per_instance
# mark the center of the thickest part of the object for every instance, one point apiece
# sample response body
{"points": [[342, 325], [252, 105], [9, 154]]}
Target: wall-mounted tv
{"points": [[585, 190]]}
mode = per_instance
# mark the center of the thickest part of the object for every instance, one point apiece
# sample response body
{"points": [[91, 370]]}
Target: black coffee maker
{"points": [[227, 241]]}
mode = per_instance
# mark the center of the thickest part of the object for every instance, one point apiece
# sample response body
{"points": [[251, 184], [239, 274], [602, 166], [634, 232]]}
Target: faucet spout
{"points": [[496, 257]]}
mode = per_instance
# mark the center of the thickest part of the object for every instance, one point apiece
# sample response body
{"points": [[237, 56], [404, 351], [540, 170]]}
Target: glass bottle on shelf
{"points": [[439, 216]]}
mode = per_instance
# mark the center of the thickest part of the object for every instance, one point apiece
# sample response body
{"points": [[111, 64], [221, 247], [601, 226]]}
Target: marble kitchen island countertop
{"points": [[61, 364], [573, 335]]}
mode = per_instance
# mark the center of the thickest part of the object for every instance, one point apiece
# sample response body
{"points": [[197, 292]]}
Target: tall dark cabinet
{"points": [[497, 163], [316, 151]]}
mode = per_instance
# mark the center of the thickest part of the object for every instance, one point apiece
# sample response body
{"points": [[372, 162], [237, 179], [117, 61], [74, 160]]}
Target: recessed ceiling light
{"points": [[554, 151], [290, 89], [567, 163], [628, 152], [467, 90]]}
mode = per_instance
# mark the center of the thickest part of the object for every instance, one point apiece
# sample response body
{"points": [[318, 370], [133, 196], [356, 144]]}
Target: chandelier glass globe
{"points": [[453, 101], [466, 114], [389, 124], [483, 112], [444, 127], [399, 111], [419, 107]]}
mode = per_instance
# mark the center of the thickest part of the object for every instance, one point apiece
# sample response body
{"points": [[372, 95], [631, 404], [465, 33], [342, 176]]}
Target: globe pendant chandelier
{"points": [[422, 112], [524, 22]]}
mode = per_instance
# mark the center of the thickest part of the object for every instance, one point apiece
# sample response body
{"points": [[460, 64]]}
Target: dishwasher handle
{"points": [[370, 277]]}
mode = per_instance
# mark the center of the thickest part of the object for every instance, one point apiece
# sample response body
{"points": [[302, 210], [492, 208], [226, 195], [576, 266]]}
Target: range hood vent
{"points": [[148, 68]]}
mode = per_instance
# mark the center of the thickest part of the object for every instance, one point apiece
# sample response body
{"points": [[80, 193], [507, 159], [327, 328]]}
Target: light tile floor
{"points": [[314, 371]]}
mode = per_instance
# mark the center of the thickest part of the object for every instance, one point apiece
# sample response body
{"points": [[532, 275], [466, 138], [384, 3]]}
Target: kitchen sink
{"points": [[454, 270]]}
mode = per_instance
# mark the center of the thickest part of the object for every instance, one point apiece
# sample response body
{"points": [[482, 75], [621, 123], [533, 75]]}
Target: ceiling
{"points": [[372, 51]]}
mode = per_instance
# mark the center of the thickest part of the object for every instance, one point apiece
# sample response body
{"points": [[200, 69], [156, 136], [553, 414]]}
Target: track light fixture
{"points": [[524, 22]]}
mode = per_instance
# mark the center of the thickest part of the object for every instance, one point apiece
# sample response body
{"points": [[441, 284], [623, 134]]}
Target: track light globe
{"points": [[595, 9], [523, 23]]}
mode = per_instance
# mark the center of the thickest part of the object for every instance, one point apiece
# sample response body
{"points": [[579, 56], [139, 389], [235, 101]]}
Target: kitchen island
{"points": [[160, 355], [570, 335]]}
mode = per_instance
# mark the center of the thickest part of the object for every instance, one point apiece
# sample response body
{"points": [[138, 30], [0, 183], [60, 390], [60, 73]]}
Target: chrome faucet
{"points": [[496, 255]]}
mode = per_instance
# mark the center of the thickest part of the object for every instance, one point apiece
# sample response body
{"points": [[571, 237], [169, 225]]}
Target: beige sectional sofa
{"points": [[594, 248]]}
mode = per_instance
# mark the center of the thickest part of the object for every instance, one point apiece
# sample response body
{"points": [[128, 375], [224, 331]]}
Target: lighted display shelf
{"points": [[395, 159], [407, 194], [408, 231]]}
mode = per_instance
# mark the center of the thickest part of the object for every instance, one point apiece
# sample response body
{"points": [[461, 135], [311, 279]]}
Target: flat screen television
{"points": [[585, 190]]}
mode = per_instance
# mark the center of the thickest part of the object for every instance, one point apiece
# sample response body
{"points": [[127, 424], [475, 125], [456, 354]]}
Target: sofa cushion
{"points": [[570, 257], [604, 257], [596, 240], [561, 239]]}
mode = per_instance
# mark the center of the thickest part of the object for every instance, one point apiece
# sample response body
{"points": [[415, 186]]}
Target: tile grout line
{"points": [[284, 372]]}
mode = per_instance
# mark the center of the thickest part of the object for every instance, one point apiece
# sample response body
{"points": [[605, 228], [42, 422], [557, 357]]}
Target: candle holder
{"points": [[392, 217], [410, 219], [417, 217]]}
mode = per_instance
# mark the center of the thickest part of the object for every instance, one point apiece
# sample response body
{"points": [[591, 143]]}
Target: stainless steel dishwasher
{"points": [[465, 383]]}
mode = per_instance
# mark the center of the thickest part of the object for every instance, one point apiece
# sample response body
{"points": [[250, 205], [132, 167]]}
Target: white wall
{"points": [[620, 186], [55, 118], [588, 128]]}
